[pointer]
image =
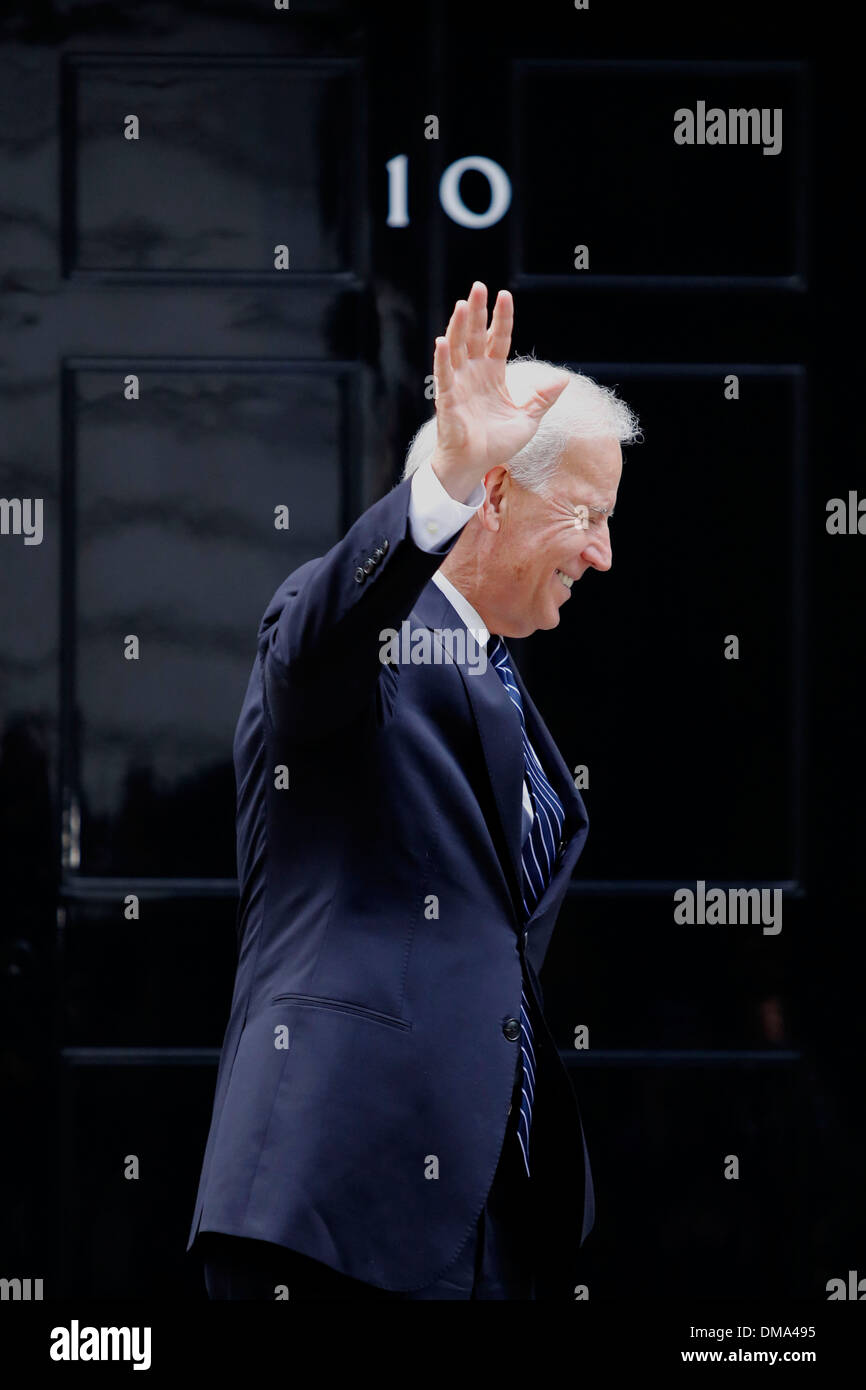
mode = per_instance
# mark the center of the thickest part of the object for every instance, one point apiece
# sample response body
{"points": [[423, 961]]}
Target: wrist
{"points": [[459, 480]]}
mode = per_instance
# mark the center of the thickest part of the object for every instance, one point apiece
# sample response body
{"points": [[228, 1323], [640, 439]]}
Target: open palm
{"points": [[477, 423]]}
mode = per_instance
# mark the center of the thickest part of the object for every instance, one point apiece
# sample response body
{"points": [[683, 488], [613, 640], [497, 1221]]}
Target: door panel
{"points": [[165, 387]]}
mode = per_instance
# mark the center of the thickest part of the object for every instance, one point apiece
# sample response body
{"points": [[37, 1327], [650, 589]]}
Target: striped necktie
{"points": [[537, 858]]}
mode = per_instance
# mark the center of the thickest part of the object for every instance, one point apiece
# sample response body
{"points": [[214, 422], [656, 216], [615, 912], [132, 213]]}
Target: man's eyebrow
{"points": [[601, 510]]}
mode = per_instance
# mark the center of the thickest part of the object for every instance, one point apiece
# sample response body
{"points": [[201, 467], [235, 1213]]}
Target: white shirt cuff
{"points": [[434, 515]]}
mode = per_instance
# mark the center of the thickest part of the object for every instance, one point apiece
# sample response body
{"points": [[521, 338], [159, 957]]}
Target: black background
{"points": [[302, 387]]}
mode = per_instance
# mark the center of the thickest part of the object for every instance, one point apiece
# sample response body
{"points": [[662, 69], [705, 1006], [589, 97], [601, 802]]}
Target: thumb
{"points": [[545, 396]]}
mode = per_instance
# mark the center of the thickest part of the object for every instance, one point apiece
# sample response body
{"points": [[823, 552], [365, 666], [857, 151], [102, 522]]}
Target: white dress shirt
{"points": [[434, 517]]}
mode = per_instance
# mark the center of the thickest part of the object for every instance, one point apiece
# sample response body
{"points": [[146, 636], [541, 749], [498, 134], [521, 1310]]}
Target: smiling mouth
{"points": [[566, 578]]}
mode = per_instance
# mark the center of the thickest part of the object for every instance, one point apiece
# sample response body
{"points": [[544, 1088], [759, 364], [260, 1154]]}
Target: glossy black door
{"points": [[230, 237]]}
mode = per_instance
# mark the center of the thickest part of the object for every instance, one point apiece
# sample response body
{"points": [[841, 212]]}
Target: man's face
{"points": [[536, 540]]}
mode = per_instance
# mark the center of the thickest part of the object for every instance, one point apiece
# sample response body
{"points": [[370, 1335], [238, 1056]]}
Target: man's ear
{"points": [[496, 483]]}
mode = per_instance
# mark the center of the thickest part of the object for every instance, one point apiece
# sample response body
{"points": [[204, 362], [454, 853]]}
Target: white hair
{"points": [[585, 410]]}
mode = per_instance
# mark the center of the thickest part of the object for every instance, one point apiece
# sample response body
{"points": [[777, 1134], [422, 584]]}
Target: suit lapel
{"points": [[498, 730], [552, 760], [499, 733], [563, 784]]}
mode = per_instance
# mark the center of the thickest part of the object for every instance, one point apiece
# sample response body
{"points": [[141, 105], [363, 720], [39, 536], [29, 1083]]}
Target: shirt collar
{"points": [[463, 607]]}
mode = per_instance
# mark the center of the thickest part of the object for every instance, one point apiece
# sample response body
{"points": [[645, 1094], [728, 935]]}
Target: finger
{"points": [[442, 373], [476, 323], [499, 337], [456, 334], [545, 396]]}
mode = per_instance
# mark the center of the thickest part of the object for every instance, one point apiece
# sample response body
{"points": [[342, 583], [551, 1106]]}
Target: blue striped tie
{"points": [[540, 848]]}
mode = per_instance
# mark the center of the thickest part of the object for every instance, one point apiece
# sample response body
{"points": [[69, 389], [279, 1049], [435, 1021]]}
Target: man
{"points": [[392, 1118]]}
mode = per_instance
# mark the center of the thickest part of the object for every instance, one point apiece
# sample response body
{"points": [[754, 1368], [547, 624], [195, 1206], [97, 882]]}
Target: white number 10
{"points": [[449, 191]]}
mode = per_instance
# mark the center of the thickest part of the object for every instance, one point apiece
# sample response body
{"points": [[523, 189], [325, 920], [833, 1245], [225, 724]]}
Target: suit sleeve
{"points": [[320, 641]]}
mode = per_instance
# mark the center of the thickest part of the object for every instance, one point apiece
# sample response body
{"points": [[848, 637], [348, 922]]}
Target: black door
{"points": [[229, 236]]}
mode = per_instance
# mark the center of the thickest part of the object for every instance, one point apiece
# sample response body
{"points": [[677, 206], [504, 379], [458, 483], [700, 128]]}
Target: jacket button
{"points": [[369, 566], [360, 576], [562, 845], [384, 545], [511, 1029], [378, 554]]}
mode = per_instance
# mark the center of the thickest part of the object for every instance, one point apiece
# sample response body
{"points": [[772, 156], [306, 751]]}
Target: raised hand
{"points": [[477, 423]]}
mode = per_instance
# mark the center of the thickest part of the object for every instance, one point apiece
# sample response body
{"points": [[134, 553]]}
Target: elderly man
{"points": [[392, 1118]]}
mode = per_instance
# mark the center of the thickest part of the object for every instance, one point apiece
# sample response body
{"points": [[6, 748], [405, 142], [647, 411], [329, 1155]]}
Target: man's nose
{"points": [[598, 552]]}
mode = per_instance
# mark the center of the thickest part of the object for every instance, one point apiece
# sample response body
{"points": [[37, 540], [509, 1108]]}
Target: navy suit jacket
{"points": [[381, 934]]}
